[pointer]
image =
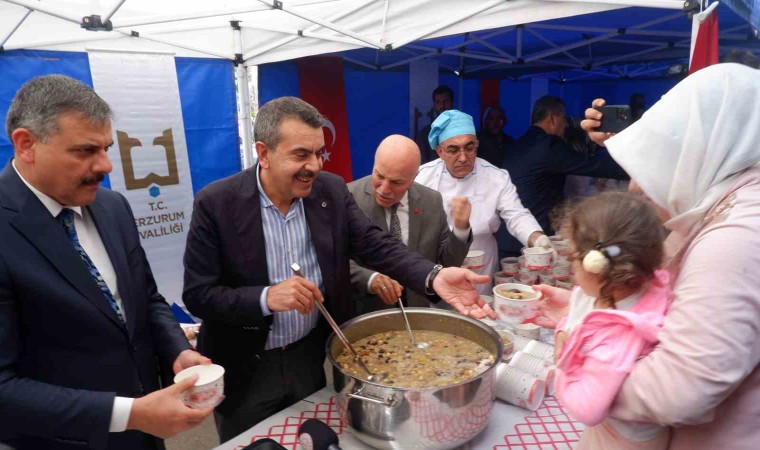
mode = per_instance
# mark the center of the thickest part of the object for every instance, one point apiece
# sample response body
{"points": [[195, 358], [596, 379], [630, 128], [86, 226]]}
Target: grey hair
{"points": [[41, 101], [271, 115]]}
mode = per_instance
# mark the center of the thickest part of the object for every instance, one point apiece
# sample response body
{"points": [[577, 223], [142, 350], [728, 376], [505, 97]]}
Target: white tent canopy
{"points": [[270, 30], [253, 32]]}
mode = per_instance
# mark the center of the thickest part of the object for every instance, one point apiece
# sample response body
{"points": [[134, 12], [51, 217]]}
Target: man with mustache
{"points": [[81, 321], [413, 214], [259, 319], [459, 172]]}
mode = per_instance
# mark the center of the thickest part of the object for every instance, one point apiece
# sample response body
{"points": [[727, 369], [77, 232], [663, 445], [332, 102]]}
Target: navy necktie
{"points": [[66, 217]]}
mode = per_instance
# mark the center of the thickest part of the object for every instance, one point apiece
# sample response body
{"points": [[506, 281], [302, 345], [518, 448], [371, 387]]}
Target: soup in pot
{"points": [[450, 359]]}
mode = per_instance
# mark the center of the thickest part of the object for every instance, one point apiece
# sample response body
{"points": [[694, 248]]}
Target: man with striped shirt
{"points": [[259, 319]]}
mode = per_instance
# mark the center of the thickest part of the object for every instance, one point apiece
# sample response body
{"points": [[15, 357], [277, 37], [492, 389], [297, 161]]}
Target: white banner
{"points": [[149, 155], [423, 79]]}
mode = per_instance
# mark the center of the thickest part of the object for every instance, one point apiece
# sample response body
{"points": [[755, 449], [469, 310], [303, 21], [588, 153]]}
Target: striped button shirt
{"points": [[288, 240]]}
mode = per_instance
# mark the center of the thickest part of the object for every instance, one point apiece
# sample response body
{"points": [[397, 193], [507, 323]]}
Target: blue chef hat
{"points": [[449, 124]]}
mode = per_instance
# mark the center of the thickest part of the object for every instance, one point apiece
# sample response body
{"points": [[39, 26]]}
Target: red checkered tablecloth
{"points": [[548, 428]]}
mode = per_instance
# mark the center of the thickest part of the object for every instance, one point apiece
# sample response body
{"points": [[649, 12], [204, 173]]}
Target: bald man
{"points": [[413, 214]]}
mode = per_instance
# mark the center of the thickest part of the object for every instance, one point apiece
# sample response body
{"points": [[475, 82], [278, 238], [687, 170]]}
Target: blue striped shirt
{"points": [[288, 240]]}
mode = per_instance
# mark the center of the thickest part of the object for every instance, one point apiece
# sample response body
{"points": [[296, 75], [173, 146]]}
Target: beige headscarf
{"points": [[692, 145]]}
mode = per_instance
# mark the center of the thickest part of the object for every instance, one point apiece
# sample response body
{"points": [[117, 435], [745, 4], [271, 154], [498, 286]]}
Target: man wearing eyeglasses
{"points": [[459, 172]]}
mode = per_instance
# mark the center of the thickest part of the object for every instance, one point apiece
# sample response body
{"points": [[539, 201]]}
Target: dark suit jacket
{"points": [[64, 354], [429, 235], [226, 266], [492, 148], [538, 164]]}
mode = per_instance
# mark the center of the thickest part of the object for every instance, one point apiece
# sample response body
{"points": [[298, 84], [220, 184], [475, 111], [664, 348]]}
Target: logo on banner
{"points": [[329, 125], [126, 144]]}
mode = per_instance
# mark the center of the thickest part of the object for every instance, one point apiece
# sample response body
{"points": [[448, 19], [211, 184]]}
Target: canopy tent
{"points": [[264, 31], [562, 39]]}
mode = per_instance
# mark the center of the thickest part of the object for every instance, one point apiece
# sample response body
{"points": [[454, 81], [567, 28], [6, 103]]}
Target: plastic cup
{"points": [[519, 388], [208, 390]]}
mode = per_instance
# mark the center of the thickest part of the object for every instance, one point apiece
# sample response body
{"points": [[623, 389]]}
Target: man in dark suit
{"points": [[81, 321], [540, 161], [413, 214], [247, 230], [443, 100]]}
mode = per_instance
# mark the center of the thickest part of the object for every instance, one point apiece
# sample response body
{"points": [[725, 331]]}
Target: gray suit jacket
{"points": [[429, 235]]}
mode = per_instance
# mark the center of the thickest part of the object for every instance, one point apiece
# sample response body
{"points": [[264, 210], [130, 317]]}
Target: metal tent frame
{"points": [[516, 38]]}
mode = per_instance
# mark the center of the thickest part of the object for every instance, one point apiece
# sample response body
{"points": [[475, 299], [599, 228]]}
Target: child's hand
{"points": [[552, 306], [559, 343]]}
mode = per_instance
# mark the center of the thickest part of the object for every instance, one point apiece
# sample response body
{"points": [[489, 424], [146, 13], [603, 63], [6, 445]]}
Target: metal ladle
{"points": [[338, 332], [420, 345]]}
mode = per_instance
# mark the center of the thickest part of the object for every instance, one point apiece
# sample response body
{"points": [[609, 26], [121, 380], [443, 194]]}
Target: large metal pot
{"points": [[415, 418]]}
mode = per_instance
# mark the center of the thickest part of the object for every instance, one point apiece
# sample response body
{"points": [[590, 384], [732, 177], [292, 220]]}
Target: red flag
{"points": [[705, 49], [321, 84], [489, 96]]}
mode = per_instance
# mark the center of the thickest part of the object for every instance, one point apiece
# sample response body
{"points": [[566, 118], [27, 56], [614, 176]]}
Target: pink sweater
{"points": [[601, 351], [703, 377]]}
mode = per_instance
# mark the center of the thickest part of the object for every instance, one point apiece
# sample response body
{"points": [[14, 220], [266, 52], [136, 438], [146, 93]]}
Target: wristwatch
{"points": [[430, 278]]}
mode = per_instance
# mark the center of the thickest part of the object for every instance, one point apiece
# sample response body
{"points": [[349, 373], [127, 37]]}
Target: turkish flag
{"points": [[321, 85], [705, 48], [489, 97]]}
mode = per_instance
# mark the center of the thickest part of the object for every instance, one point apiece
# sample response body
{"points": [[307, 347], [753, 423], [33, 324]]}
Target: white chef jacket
{"points": [[493, 197]]}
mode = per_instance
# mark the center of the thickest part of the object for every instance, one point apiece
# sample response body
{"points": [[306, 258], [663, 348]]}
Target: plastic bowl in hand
{"points": [[515, 303]]}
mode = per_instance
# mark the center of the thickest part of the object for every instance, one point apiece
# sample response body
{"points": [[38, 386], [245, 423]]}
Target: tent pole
{"points": [[110, 14], [151, 20], [92, 38], [241, 73], [557, 63], [243, 97], [173, 44], [552, 44], [288, 40], [573, 45], [324, 23], [477, 56], [449, 23], [489, 45], [48, 11], [658, 21], [307, 34], [13, 30], [360, 63], [630, 31], [631, 55], [663, 4], [518, 44], [408, 60], [461, 91]]}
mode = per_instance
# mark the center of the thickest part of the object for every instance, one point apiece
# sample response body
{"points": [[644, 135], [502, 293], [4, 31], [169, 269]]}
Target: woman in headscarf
{"points": [[695, 155]]}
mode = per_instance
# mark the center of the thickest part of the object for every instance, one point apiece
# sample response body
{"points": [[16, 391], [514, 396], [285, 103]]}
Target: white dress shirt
{"points": [[493, 198], [90, 240]]}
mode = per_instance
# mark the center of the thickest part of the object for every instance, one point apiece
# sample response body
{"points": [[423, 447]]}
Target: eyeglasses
{"points": [[468, 149]]}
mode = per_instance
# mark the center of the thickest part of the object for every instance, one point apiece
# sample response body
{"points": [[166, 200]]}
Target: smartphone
{"points": [[615, 118]]}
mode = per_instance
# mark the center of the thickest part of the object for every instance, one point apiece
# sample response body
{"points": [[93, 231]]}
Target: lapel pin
{"points": [[324, 204]]}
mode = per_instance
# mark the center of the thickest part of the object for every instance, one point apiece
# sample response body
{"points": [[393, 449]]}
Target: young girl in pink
{"points": [[615, 313]]}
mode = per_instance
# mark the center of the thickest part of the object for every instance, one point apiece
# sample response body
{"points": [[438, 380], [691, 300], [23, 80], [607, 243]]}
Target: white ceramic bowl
{"points": [[515, 310]]}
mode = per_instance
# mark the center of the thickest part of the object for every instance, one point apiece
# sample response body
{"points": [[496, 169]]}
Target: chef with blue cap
{"points": [[459, 172]]}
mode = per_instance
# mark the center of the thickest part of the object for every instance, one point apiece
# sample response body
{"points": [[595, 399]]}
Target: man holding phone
{"points": [[540, 161]]}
